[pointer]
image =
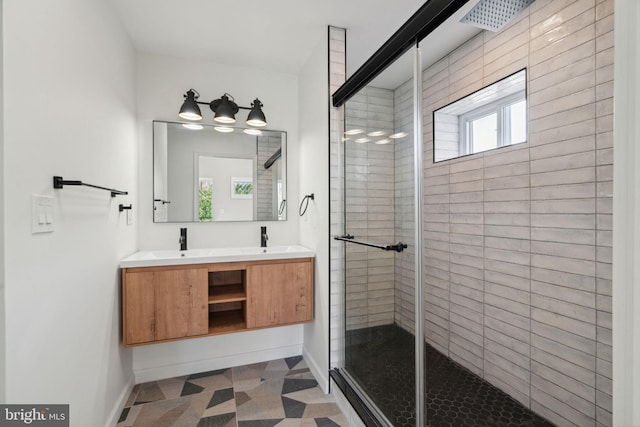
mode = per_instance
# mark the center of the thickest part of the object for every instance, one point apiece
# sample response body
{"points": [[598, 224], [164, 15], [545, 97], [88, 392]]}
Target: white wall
{"points": [[2, 309], [157, 361], [69, 110], [161, 82], [314, 225]]}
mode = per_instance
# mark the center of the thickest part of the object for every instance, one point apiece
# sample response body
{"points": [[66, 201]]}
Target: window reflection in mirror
{"points": [[492, 117], [201, 174]]}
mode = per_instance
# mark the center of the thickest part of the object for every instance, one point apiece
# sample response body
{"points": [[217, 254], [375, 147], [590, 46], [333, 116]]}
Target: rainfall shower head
{"points": [[492, 15]]}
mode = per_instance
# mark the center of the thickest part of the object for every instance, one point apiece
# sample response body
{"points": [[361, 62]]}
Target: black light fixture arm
{"points": [[255, 104], [191, 93], [216, 102]]}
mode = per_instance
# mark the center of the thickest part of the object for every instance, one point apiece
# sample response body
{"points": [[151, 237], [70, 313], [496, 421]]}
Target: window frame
{"points": [[503, 122]]}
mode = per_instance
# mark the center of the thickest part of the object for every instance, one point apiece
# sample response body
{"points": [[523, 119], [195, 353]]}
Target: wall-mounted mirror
{"points": [[207, 173], [492, 117]]}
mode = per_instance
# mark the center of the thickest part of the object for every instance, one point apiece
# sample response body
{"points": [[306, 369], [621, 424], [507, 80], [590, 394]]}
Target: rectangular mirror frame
{"points": [[273, 158]]}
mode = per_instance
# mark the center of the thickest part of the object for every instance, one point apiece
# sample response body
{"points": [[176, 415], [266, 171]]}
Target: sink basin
{"points": [[206, 256], [271, 250]]}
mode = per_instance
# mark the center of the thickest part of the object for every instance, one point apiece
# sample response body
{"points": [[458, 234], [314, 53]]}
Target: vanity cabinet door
{"points": [[279, 293], [164, 304]]}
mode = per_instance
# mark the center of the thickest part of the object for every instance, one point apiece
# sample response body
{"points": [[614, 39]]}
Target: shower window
{"points": [[500, 123], [492, 117]]}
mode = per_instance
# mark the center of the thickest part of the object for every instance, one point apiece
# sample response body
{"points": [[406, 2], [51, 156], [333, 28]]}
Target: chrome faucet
{"points": [[183, 239], [263, 237]]}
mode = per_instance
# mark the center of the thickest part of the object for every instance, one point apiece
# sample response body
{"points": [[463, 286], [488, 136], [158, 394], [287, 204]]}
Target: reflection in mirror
{"points": [[207, 173], [492, 117]]}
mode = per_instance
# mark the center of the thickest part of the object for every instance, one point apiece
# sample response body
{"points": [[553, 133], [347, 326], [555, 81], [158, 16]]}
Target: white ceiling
{"points": [[275, 35]]}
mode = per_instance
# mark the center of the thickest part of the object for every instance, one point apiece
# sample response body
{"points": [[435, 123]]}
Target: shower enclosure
{"points": [[380, 236], [382, 223], [473, 284]]}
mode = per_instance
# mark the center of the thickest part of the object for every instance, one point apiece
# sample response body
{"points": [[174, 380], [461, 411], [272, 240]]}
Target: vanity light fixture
{"points": [[190, 109], [224, 109]]}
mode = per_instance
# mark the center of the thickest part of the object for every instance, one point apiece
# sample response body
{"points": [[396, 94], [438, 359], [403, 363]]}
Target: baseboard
{"points": [[114, 416], [320, 374], [211, 364]]}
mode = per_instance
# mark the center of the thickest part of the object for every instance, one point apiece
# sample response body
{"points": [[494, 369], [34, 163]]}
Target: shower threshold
{"points": [[381, 360]]}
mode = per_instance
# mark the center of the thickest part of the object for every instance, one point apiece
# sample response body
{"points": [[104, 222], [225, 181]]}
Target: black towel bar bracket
{"points": [[59, 182], [122, 207]]}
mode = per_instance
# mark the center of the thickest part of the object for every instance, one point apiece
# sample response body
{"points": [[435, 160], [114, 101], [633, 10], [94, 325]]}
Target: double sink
{"points": [[207, 256]]}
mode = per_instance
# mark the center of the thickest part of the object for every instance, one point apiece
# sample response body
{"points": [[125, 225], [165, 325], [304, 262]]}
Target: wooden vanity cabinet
{"points": [[183, 301], [164, 304], [279, 293]]}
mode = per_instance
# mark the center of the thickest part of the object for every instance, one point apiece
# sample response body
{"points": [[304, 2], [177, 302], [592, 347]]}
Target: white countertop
{"points": [[207, 256]]}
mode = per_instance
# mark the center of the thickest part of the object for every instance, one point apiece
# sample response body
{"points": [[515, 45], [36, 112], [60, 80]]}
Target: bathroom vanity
{"points": [[172, 295]]}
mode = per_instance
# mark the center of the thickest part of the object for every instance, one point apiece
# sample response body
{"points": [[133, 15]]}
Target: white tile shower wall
{"points": [[604, 207], [369, 204], [337, 76], [447, 131], [404, 207], [518, 241]]}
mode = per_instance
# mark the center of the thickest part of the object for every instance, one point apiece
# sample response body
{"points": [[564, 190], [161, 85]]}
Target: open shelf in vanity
{"points": [[227, 296]]}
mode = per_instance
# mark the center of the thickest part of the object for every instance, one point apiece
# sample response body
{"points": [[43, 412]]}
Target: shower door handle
{"points": [[398, 247]]}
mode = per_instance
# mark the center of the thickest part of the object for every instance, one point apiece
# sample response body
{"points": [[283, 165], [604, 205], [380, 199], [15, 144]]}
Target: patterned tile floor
{"points": [[381, 359], [281, 392]]}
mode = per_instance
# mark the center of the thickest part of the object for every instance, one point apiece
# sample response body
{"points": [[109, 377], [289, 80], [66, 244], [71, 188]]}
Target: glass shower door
{"points": [[379, 200]]}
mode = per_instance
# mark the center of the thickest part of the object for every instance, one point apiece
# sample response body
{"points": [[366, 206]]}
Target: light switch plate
{"points": [[129, 217], [42, 214]]}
